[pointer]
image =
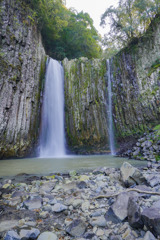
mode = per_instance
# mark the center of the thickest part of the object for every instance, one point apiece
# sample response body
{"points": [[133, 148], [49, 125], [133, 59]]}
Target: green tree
{"points": [[130, 19], [65, 32]]}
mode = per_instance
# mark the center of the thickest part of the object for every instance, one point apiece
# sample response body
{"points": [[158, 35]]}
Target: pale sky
{"points": [[95, 8]]}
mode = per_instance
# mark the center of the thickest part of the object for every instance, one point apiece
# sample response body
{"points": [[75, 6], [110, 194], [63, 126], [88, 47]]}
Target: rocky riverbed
{"points": [[106, 203]]}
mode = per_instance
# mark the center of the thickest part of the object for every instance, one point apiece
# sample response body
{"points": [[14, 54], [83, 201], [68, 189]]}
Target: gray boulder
{"points": [[149, 236], [33, 203], [131, 175], [151, 219], [134, 215], [120, 207], [12, 235], [77, 228], [47, 236], [98, 221], [29, 233]]}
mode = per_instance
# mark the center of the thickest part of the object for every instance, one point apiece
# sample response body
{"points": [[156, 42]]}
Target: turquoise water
{"points": [[43, 166]]}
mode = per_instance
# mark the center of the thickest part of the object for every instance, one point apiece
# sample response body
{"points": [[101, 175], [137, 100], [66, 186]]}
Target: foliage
{"points": [[65, 32], [127, 21]]}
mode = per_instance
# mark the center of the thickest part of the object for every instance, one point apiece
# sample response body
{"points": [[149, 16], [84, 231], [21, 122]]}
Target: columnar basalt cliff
{"points": [[22, 60], [85, 104], [136, 85], [135, 74]]}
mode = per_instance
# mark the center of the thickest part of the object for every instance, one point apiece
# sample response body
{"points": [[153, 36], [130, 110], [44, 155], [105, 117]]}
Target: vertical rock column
{"points": [[22, 59], [85, 104]]}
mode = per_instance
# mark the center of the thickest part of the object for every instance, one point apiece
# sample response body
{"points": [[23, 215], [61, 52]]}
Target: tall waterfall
{"points": [[110, 116], [52, 139]]}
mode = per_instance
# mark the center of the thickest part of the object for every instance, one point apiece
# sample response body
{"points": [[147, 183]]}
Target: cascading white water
{"points": [[52, 139], [110, 116]]}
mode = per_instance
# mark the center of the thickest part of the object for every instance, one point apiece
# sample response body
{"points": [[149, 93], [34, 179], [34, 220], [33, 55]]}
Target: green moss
{"points": [[157, 157], [154, 67]]}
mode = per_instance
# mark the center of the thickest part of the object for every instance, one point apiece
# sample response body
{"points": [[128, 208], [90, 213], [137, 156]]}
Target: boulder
{"points": [[149, 236], [120, 207], [151, 219], [131, 175], [8, 224], [33, 203], [12, 235], [77, 228], [29, 234], [134, 215], [47, 186], [98, 221], [47, 236], [110, 216]]}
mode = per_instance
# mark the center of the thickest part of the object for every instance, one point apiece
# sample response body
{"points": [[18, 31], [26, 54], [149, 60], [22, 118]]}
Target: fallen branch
{"points": [[128, 190]]}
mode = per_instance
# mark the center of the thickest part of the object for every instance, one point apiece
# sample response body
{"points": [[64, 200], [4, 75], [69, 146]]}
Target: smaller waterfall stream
{"points": [[52, 139], [110, 116]]}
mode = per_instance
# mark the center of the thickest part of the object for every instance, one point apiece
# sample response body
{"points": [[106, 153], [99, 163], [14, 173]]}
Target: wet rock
{"points": [[149, 236], [58, 207], [33, 203], [131, 175], [12, 235], [29, 234], [134, 216], [77, 228], [98, 221], [47, 236], [151, 219]]}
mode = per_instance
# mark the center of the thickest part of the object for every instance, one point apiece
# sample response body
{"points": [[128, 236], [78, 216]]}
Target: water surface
{"points": [[44, 166]]}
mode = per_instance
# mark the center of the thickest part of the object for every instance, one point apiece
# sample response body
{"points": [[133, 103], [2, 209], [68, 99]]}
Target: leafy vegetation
{"points": [[127, 21], [65, 32]]}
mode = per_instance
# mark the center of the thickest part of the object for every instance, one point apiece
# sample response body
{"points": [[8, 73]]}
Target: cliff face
{"points": [[85, 104], [22, 60], [135, 76], [136, 84]]}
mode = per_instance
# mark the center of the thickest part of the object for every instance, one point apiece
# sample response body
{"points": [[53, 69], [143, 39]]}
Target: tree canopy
{"points": [[129, 20], [65, 32]]}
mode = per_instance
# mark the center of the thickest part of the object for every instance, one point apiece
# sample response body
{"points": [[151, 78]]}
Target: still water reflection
{"points": [[42, 166]]}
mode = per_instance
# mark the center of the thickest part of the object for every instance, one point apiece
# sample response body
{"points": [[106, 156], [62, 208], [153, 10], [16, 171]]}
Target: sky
{"points": [[95, 8]]}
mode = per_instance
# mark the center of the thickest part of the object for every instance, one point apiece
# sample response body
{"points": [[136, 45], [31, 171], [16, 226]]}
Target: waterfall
{"points": [[110, 116], [52, 139]]}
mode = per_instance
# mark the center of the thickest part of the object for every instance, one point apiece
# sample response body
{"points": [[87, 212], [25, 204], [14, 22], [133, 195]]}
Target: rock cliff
{"points": [[22, 60], [136, 84], [85, 104], [135, 76]]}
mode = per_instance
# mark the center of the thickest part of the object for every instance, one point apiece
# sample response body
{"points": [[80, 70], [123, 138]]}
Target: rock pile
{"points": [[104, 204], [146, 148]]}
